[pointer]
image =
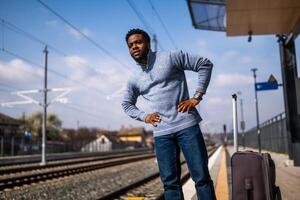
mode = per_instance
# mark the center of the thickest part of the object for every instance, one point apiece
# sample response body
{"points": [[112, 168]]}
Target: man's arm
{"points": [[203, 66], [128, 103]]}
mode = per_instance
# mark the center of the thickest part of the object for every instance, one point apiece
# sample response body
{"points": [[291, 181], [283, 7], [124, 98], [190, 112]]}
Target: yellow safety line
{"points": [[222, 191], [135, 198]]}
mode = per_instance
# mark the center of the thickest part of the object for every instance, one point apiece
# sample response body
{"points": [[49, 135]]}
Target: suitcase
{"points": [[253, 177]]}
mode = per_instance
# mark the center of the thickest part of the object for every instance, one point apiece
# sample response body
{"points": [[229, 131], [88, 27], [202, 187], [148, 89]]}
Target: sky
{"points": [[97, 74]]}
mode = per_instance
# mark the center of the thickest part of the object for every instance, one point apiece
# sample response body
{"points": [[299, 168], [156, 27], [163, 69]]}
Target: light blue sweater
{"points": [[162, 83]]}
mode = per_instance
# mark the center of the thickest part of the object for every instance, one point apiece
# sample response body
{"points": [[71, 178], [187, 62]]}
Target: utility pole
{"points": [[225, 135], [154, 43], [77, 125], [243, 124], [256, 104], [27, 99], [43, 162]]}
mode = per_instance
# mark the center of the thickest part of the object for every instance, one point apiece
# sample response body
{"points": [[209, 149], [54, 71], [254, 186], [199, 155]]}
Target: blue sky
{"points": [[97, 79]]}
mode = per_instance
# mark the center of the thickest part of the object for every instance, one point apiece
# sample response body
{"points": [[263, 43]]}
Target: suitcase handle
{"points": [[248, 185]]}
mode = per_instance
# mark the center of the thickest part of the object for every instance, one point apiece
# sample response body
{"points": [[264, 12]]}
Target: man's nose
{"points": [[134, 46]]}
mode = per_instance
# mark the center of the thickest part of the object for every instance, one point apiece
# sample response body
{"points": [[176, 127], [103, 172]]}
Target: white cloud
{"points": [[18, 71], [231, 80], [229, 56], [245, 60], [51, 23], [108, 80], [204, 50], [235, 58], [78, 35], [75, 61]]}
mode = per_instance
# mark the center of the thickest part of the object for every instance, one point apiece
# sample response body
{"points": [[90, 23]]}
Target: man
{"points": [[160, 79]]}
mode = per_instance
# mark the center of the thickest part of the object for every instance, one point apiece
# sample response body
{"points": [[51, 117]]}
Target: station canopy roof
{"points": [[208, 14], [240, 17]]}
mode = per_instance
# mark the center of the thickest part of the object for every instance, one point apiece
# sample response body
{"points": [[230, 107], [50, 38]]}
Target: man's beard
{"points": [[142, 57]]}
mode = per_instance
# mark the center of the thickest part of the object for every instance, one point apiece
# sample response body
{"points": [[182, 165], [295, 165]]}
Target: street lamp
{"points": [[256, 104], [242, 123]]}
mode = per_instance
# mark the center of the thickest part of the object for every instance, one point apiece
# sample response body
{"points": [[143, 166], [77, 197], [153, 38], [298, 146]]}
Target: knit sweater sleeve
{"points": [[203, 66], [129, 100]]}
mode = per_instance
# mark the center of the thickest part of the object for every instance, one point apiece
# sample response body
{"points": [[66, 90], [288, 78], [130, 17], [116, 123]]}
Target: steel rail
{"points": [[22, 179]]}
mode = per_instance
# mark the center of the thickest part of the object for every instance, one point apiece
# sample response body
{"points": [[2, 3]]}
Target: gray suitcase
{"points": [[253, 177]]}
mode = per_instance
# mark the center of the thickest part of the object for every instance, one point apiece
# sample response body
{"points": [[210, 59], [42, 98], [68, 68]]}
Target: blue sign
{"points": [[27, 134], [266, 86]]}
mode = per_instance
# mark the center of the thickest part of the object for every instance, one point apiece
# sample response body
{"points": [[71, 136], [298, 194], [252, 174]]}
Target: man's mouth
{"points": [[136, 53]]}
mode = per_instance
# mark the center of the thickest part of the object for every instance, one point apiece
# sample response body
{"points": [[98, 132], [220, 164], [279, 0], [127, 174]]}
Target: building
{"points": [[9, 129]]}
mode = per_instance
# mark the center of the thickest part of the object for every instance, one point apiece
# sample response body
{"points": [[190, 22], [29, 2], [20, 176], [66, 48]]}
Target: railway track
{"points": [[30, 159], [36, 166], [60, 170], [149, 186]]}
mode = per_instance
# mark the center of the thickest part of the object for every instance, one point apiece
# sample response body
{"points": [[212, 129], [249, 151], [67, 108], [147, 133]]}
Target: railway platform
{"points": [[287, 175]]}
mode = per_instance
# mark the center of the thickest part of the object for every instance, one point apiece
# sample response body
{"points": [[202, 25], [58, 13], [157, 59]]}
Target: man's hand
{"points": [[152, 118], [187, 105]]}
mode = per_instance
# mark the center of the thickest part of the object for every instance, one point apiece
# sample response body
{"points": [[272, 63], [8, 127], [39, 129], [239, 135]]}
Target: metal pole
{"points": [[242, 123], [154, 43], [2, 146], [256, 104], [43, 162], [225, 135], [235, 124], [12, 145]]}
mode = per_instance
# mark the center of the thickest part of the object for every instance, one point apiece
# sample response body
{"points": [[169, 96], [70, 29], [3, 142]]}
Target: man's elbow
{"points": [[209, 64]]}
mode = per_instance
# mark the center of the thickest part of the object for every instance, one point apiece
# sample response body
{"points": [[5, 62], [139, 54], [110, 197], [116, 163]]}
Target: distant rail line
{"points": [[36, 158], [140, 186], [91, 158], [31, 174]]}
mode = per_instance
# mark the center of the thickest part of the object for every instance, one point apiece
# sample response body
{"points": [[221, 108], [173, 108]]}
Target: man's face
{"points": [[138, 48]]}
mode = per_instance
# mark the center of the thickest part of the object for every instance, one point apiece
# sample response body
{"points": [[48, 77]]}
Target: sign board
{"points": [[272, 78], [27, 134], [272, 84], [266, 86]]}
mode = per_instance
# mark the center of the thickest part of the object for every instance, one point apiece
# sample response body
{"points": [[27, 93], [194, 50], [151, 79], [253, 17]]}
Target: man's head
{"points": [[138, 42]]}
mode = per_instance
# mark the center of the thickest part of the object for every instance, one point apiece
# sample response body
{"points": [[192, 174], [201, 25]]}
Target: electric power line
{"points": [[20, 31], [65, 105], [84, 35], [143, 20], [52, 71], [96, 116], [9, 86], [140, 16], [2, 22], [163, 24]]}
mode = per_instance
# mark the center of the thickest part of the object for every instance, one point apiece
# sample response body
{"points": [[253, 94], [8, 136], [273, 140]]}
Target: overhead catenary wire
{"points": [[143, 20], [20, 31], [163, 24], [52, 71], [96, 116], [96, 44], [76, 107], [9, 86], [2, 23], [16, 29]]}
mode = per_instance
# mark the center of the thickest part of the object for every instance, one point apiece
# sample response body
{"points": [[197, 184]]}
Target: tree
{"points": [[34, 121]]}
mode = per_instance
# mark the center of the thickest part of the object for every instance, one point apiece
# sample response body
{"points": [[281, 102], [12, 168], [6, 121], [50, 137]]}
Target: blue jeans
{"points": [[190, 141]]}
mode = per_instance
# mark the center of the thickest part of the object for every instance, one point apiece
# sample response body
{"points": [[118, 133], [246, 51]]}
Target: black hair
{"points": [[137, 31]]}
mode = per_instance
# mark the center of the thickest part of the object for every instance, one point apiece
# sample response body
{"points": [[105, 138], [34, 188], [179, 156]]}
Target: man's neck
{"points": [[144, 61]]}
